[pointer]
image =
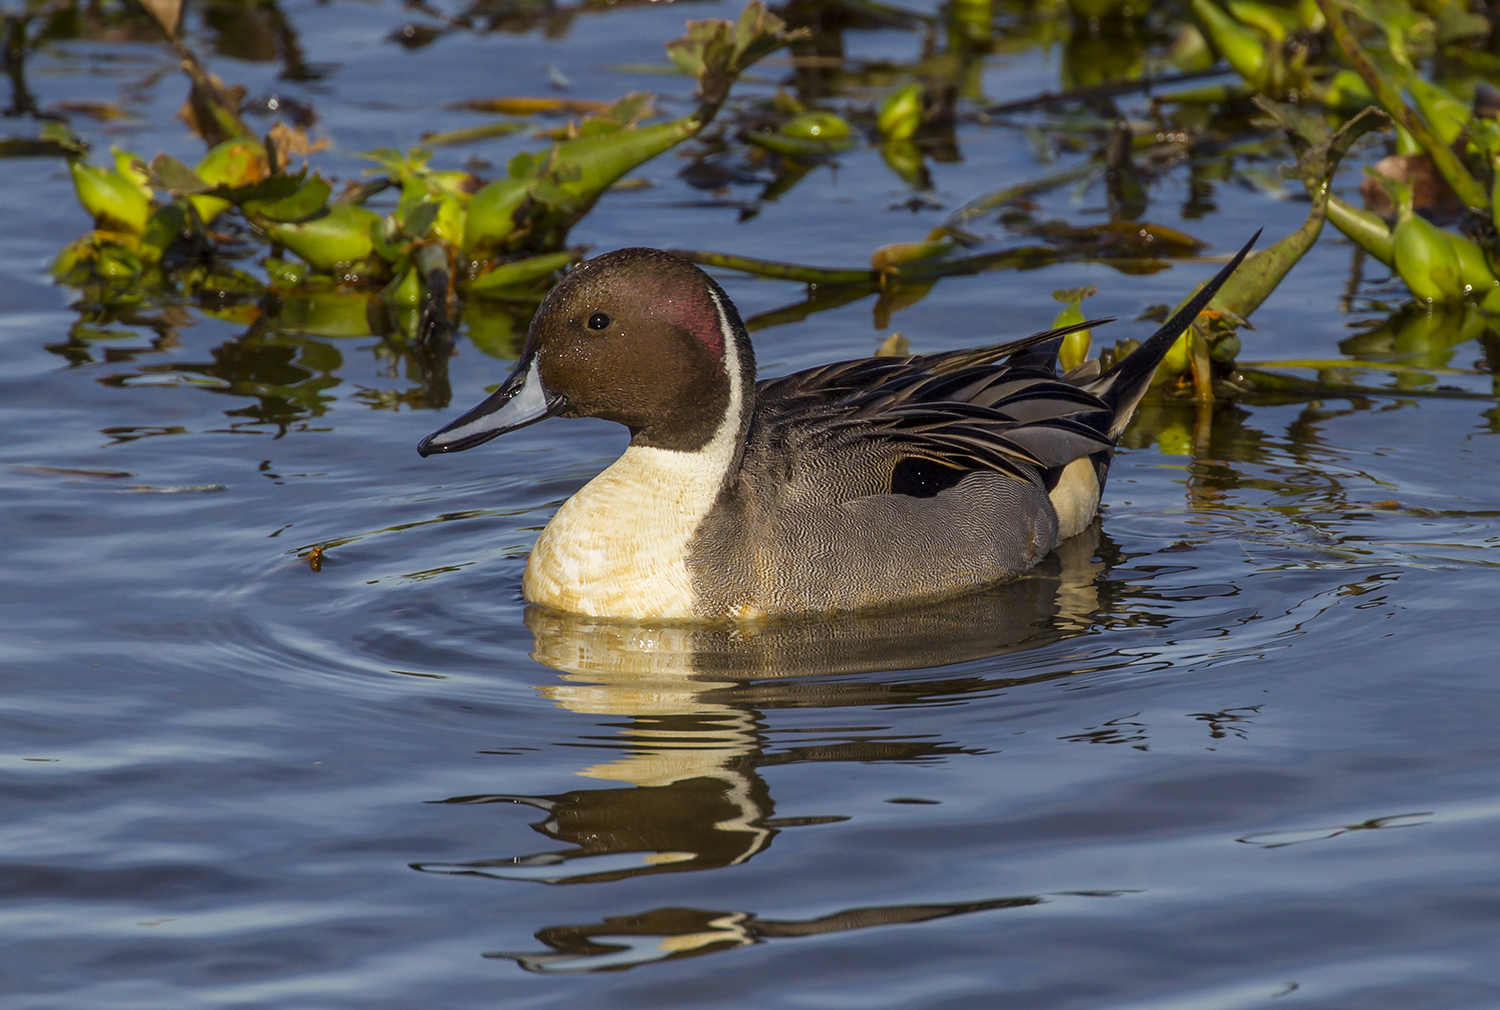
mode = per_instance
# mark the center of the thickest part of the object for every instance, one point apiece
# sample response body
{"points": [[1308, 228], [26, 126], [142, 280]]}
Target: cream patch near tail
{"points": [[1075, 499]]}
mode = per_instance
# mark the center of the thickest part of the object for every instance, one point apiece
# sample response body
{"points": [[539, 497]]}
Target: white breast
{"points": [[619, 547]]}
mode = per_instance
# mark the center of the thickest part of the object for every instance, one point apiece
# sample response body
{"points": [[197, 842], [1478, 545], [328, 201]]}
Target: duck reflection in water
{"points": [[692, 797], [666, 934]]}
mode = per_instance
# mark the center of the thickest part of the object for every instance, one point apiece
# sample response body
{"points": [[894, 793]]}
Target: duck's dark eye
{"points": [[598, 321]]}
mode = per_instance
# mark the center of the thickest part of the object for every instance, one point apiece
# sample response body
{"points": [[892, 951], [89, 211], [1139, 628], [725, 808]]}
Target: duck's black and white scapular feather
{"points": [[961, 410]]}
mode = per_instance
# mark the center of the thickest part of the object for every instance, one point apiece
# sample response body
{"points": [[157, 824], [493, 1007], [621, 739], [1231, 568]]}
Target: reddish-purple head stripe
{"points": [[700, 317]]}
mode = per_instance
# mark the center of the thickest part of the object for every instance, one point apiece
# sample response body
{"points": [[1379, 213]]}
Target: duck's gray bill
{"points": [[521, 399]]}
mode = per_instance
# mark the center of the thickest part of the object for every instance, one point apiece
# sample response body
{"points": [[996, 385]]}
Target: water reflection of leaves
{"points": [[1281, 839], [288, 375], [516, 17], [1227, 721], [130, 433], [1294, 496], [282, 360], [1119, 730], [260, 33], [80, 347]]}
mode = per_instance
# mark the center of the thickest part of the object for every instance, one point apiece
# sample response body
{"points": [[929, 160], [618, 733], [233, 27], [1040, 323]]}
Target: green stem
{"points": [[822, 299], [999, 197], [1448, 164], [1277, 383], [1261, 272], [1365, 228], [780, 271], [1378, 366]]}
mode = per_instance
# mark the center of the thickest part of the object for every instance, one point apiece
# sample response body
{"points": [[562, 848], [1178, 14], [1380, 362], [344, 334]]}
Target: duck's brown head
{"points": [[636, 336]]}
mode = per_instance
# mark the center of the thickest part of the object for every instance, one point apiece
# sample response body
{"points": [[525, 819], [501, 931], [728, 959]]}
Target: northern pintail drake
{"points": [[860, 484]]}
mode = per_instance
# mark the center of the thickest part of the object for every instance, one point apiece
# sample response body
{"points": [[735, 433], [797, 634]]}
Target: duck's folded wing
{"points": [[832, 383], [921, 428]]}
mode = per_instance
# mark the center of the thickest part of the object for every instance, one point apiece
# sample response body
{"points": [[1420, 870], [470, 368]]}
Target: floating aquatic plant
{"points": [[415, 248], [495, 237]]}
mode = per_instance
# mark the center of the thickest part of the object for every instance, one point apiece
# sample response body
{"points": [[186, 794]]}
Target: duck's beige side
{"points": [[1075, 499]]}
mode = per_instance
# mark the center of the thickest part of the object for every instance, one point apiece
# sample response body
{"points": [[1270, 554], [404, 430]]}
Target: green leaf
{"points": [[1244, 49], [406, 289], [116, 203], [276, 187], [285, 273], [389, 242], [401, 167], [305, 202], [510, 275], [550, 194], [588, 166], [522, 166], [64, 138], [343, 234], [388, 157], [631, 109], [716, 52], [173, 176], [163, 228], [419, 220], [901, 113], [799, 147], [491, 218], [598, 128]]}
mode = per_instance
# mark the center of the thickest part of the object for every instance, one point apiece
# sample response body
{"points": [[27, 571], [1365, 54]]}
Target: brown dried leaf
{"points": [[293, 141], [166, 13], [1428, 189], [104, 112], [198, 115], [533, 106]]}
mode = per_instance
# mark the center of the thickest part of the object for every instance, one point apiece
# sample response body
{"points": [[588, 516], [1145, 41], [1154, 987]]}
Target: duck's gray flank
{"points": [[859, 484]]}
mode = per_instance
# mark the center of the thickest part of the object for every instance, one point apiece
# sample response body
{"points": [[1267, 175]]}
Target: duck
{"points": [[865, 484]]}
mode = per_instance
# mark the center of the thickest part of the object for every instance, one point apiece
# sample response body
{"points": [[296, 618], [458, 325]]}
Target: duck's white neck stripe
{"points": [[723, 446]]}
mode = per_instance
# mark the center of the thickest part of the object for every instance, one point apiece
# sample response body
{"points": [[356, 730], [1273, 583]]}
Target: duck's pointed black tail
{"points": [[1123, 386]]}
